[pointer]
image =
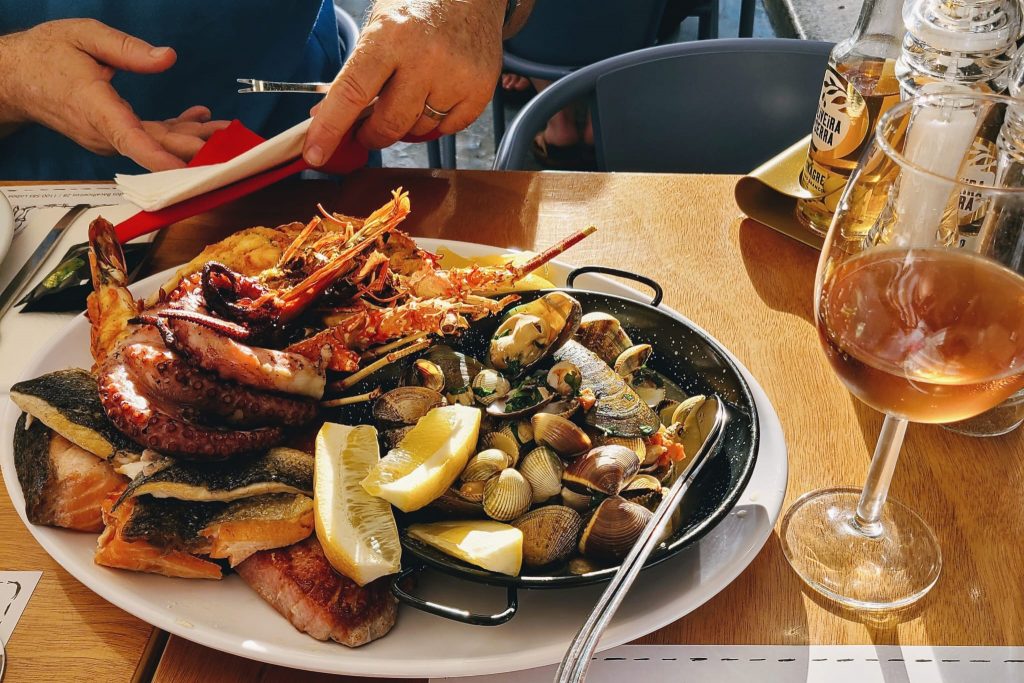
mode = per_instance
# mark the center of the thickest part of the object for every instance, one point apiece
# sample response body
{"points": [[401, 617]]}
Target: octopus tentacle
{"points": [[135, 415]]}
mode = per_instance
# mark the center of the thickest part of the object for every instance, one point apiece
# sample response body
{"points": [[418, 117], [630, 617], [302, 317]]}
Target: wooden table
{"points": [[747, 285]]}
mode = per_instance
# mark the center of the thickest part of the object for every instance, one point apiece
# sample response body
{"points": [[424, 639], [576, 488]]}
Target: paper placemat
{"points": [[15, 590], [789, 664], [36, 209]]}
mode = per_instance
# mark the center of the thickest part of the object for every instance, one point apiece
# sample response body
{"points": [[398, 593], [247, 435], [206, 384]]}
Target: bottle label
{"points": [[841, 123], [979, 170]]}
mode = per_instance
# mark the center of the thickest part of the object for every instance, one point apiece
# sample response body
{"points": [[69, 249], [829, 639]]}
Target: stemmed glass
{"points": [[919, 306]]}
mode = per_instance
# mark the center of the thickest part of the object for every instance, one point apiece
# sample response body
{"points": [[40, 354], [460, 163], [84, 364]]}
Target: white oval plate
{"points": [[6, 226], [227, 615]]}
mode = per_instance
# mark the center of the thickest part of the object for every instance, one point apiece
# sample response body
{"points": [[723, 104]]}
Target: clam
{"points": [[618, 410], [642, 482], [647, 498], [531, 332], [521, 401], [559, 434], [543, 469], [522, 430], [406, 405], [504, 440], [632, 359], [507, 495], [392, 437], [603, 334], [580, 502], [683, 410], [459, 371], [665, 410], [603, 470], [583, 565], [649, 387], [490, 385], [635, 444], [472, 491], [485, 465], [565, 378], [565, 407], [453, 504], [550, 534], [613, 529], [424, 373]]}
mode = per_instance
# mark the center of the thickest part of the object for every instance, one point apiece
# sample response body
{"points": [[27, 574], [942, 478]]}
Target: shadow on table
{"points": [[780, 269]]}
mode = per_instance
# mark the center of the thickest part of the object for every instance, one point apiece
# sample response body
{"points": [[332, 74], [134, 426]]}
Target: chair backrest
{"points": [[713, 106], [574, 33]]}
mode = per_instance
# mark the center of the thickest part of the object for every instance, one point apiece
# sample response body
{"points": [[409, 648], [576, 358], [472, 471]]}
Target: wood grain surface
{"points": [[752, 289]]}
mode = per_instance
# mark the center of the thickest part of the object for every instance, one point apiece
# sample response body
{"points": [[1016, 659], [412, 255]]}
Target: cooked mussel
{"points": [[603, 470], [489, 386], [613, 529], [550, 534], [424, 373], [531, 332], [392, 437], [543, 469], [618, 410], [632, 359], [507, 495], [603, 334], [559, 434], [406, 405]]}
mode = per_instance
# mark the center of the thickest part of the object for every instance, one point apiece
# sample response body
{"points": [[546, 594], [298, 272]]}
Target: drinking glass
{"points": [[919, 305]]}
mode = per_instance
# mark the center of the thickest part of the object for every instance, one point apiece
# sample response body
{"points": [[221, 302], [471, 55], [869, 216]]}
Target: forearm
{"points": [[11, 114], [517, 19]]}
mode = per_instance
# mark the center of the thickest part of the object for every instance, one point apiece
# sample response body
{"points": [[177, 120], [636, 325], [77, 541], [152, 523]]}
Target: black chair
{"points": [[713, 106]]}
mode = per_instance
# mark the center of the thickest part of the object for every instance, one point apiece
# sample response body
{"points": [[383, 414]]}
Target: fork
{"points": [[256, 85]]}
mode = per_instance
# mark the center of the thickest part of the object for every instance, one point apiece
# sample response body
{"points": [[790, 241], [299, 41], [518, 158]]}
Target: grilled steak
{"points": [[301, 584]]}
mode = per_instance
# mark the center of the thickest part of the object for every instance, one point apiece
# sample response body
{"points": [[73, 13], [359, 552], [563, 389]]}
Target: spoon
{"points": [[711, 421]]}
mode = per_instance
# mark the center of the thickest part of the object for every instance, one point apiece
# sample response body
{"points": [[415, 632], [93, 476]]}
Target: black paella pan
{"points": [[684, 355]]}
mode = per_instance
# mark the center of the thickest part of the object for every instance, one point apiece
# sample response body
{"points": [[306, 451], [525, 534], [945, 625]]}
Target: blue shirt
{"points": [[217, 41]]}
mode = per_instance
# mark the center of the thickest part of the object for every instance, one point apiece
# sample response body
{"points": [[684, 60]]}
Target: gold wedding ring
{"points": [[432, 113]]}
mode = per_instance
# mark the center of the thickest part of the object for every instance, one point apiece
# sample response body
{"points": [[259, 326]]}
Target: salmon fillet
{"points": [[301, 584], [64, 485], [113, 550]]}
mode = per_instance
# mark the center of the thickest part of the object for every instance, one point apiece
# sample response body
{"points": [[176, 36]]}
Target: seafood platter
{"points": [[327, 409]]}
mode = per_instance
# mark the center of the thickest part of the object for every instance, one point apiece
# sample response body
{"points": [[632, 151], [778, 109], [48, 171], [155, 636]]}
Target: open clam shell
{"points": [[603, 334], [520, 402], [459, 371], [550, 534], [632, 359], [406, 405], [635, 444], [559, 434], [543, 469], [604, 470], [685, 408], [649, 386], [453, 504], [424, 373], [472, 491], [504, 440], [485, 465], [580, 502], [564, 378], [489, 386], [531, 332], [507, 495], [613, 529]]}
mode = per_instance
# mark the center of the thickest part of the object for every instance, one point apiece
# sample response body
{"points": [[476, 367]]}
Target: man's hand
{"points": [[58, 74], [412, 53]]}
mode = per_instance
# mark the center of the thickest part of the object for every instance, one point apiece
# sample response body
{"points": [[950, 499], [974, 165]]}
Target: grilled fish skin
{"points": [[67, 401], [64, 485], [231, 531], [300, 583], [279, 470]]}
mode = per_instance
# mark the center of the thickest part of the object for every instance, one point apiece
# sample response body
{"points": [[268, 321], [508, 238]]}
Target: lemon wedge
{"points": [[539, 279], [487, 544], [428, 460], [357, 530]]}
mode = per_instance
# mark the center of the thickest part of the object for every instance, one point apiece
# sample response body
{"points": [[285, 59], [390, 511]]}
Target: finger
{"points": [[460, 116], [182, 146], [192, 128], [424, 125], [353, 90], [196, 113], [120, 50], [396, 112], [116, 122]]}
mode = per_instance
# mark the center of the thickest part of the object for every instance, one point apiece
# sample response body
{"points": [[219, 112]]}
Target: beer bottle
{"points": [[859, 86]]}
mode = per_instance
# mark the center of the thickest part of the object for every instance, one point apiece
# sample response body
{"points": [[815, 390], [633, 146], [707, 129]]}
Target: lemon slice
{"points": [[356, 530], [487, 544], [428, 460]]}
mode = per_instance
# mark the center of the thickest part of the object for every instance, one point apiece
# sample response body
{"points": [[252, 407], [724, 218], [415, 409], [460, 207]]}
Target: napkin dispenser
{"points": [[769, 193]]}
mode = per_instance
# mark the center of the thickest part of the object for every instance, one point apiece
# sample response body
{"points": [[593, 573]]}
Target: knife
{"points": [[38, 257]]}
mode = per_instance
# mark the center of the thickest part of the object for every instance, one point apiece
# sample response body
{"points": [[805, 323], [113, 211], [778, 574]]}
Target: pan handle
{"points": [[454, 613], [659, 293]]}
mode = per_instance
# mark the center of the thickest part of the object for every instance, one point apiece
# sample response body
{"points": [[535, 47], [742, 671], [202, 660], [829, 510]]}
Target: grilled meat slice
{"points": [[300, 583], [63, 484]]}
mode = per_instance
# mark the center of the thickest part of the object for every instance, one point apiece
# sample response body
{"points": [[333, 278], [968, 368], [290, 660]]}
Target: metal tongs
{"points": [[711, 421]]}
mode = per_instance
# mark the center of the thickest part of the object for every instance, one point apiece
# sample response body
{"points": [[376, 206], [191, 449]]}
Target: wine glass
{"points": [[919, 306]]}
